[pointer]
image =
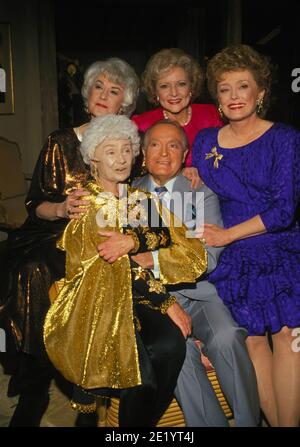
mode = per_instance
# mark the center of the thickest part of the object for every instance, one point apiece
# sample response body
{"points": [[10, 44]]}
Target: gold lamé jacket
{"points": [[89, 331]]}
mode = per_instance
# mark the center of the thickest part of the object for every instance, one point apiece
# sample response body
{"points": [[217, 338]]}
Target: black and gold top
{"points": [[34, 262], [89, 330], [60, 168]]}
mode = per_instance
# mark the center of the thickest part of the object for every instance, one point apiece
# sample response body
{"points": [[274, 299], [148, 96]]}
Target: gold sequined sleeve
{"points": [[185, 260], [71, 242], [163, 307], [151, 234], [148, 290], [79, 240]]}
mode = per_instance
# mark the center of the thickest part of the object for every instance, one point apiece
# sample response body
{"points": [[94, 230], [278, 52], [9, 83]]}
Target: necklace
{"points": [[189, 116]]}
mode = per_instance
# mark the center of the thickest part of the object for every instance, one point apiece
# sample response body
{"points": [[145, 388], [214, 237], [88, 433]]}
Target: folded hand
{"points": [[116, 245]]}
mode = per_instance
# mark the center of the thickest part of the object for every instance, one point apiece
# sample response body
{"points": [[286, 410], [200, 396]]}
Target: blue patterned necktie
{"points": [[160, 191]]}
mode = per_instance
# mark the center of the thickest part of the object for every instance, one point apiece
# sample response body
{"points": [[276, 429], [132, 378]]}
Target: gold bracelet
{"points": [[83, 408], [167, 303], [163, 307]]}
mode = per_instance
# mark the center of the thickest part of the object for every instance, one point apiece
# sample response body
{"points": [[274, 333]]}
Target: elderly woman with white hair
{"points": [[109, 327], [55, 196]]}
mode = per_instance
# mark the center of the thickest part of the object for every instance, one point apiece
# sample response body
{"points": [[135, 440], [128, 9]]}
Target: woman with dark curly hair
{"points": [[173, 80], [253, 166]]}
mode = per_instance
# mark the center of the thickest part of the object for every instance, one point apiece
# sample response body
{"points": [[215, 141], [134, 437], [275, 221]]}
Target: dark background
{"points": [[135, 30]]}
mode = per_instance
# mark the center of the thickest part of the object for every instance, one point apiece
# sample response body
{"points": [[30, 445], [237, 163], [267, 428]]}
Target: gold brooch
{"points": [[214, 153], [140, 273], [156, 286]]}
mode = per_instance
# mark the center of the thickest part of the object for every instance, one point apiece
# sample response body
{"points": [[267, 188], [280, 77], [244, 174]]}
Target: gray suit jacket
{"points": [[202, 289]]}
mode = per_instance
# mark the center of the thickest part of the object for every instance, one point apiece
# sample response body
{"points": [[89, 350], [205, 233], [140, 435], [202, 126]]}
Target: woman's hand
{"points": [[193, 175], [216, 236], [180, 318], [74, 206], [115, 246]]}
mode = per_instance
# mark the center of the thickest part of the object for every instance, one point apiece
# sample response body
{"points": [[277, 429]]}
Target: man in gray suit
{"points": [[223, 341]]}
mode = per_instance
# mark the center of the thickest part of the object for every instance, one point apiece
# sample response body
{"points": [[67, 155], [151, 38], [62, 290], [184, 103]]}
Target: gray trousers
{"points": [[223, 342]]}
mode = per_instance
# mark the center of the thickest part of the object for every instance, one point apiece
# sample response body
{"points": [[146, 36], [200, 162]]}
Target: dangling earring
{"points": [[94, 172], [157, 99], [121, 111], [191, 94], [220, 110], [260, 106]]}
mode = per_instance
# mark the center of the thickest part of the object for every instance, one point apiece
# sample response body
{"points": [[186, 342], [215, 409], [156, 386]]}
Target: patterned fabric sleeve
{"points": [[150, 291], [151, 235], [147, 239], [285, 182], [48, 178], [60, 168]]}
